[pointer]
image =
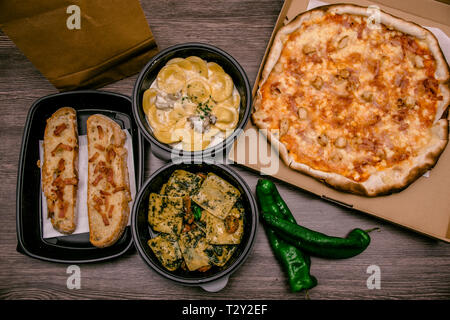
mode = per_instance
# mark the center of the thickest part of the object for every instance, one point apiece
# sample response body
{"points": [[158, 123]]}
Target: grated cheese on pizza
{"points": [[351, 98]]}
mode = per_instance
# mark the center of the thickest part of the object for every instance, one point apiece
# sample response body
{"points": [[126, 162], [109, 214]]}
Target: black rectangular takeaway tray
{"points": [[72, 248]]}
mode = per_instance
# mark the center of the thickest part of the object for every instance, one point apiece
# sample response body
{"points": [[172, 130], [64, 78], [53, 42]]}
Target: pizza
{"points": [[358, 105]]}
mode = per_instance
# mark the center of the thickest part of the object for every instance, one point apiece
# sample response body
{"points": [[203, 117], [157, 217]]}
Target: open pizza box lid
{"points": [[424, 206]]}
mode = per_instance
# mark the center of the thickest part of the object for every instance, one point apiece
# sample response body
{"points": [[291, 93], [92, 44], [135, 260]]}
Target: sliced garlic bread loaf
{"points": [[108, 182], [60, 169]]}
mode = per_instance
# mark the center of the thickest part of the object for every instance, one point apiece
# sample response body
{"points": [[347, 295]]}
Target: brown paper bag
{"points": [[80, 43]]}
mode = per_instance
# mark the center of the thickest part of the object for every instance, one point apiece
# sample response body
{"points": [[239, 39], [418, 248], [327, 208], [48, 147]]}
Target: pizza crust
{"points": [[392, 179]]}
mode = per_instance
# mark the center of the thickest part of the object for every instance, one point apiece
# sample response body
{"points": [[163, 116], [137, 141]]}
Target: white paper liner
{"points": [[81, 211]]}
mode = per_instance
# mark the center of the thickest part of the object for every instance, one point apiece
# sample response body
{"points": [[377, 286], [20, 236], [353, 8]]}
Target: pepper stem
{"points": [[370, 230], [307, 295]]}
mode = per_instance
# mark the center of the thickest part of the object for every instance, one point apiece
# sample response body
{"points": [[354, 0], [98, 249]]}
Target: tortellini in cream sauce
{"points": [[192, 105]]}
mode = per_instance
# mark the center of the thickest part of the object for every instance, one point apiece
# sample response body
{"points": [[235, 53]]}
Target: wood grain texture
{"points": [[412, 266]]}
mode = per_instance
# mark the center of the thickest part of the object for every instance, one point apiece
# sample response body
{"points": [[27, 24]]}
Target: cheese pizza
{"points": [[359, 105]]}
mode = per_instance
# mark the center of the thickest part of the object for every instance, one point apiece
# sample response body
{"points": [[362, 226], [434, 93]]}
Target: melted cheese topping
{"points": [[350, 99]]}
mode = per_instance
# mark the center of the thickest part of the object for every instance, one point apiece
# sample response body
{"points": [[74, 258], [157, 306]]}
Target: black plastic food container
{"points": [[210, 54], [72, 248], [216, 278]]}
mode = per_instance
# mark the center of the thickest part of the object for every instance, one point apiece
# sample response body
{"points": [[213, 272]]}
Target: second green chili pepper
{"points": [[317, 243], [295, 263]]}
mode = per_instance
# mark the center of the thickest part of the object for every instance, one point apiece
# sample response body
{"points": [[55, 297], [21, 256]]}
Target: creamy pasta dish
{"points": [[192, 105]]}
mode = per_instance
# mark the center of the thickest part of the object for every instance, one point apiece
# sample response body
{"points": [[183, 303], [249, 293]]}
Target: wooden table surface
{"points": [[412, 266]]}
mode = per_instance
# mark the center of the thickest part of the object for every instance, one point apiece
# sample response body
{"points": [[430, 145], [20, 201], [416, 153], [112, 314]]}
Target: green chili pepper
{"points": [[295, 263], [268, 188], [317, 243], [264, 192], [197, 211]]}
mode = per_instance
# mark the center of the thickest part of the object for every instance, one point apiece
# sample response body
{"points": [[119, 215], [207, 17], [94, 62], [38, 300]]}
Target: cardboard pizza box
{"points": [[425, 205]]}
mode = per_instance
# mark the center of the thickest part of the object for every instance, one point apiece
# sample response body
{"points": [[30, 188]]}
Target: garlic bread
{"points": [[108, 181], [60, 169]]}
